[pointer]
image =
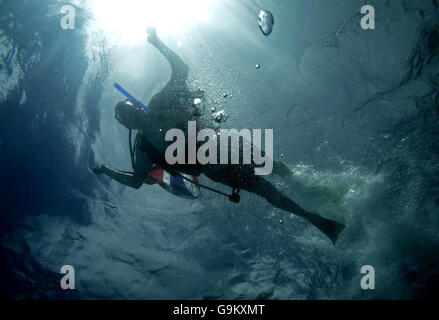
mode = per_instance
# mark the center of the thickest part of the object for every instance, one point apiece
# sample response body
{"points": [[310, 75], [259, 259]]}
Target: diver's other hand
{"points": [[152, 35], [99, 169]]}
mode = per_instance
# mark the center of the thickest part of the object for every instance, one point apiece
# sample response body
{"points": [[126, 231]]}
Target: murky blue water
{"points": [[354, 113]]}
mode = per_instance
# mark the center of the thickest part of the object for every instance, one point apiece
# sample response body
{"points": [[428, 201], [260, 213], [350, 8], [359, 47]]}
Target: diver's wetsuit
{"points": [[174, 102], [174, 93], [237, 176], [241, 176]]}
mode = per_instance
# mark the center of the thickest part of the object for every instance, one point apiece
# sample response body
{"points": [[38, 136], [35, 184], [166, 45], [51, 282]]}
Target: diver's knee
{"points": [[265, 189], [137, 184]]}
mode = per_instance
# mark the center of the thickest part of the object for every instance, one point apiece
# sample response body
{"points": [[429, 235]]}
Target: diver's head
{"points": [[129, 115]]}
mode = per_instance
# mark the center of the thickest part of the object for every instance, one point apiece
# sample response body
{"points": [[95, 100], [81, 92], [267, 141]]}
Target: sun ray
{"points": [[126, 21]]}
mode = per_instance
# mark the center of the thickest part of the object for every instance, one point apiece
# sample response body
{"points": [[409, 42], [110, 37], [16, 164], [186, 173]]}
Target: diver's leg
{"points": [[179, 69], [281, 169], [243, 177], [330, 228]]}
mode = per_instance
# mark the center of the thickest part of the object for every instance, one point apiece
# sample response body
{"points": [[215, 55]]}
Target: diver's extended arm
{"points": [[142, 167], [129, 179], [179, 68]]}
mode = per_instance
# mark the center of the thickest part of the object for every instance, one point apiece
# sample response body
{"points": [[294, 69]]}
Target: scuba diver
{"points": [[172, 108]]}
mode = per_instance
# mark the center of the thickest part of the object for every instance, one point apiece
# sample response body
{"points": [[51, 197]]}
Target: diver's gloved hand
{"points": [[99, 169], [152, 35]]}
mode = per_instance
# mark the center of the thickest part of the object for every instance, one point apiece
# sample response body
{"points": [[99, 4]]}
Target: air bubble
{"points": [[220, 116], [266, 22]]}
